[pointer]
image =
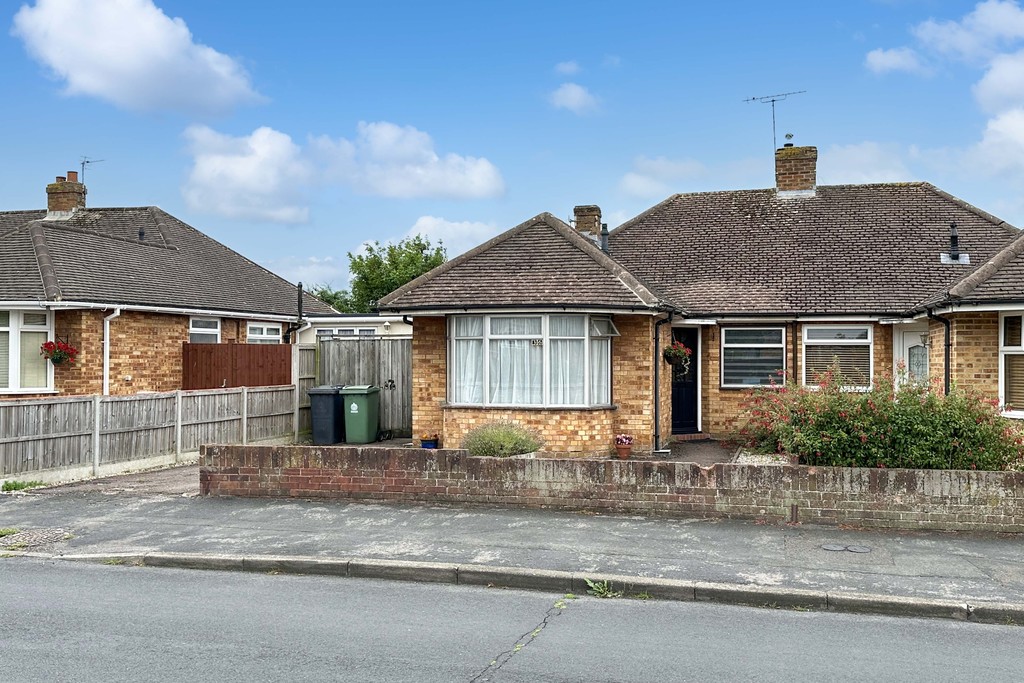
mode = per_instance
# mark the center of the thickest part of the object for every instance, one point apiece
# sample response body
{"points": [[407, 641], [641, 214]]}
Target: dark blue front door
{"points": [[684, 385]]}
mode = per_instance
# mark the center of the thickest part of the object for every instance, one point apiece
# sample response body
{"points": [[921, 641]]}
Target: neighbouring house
{"points": [[564, 328], [347, 326], [126, 287]]}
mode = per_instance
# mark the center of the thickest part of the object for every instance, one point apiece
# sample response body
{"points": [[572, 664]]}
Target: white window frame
{"points": [[590, 333], [346, 332], [203, 330], [15, 326], [1007, 350], [263, 336], [870, 342], [761, 328]]}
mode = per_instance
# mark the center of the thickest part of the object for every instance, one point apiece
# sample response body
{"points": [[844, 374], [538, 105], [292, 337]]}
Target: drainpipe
{"points": [[657, 380], [947, 324], [106, 349]]}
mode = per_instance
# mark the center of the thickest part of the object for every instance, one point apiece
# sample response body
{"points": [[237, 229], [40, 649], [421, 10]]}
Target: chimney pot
{"points": [[72, 176]]}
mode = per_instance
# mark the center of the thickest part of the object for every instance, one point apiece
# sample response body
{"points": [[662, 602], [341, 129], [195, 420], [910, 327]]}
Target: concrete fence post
{"points": [[177, 425], [97, 402], [245, 416]]}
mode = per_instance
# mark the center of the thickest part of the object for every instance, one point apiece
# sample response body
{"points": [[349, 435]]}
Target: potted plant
{"points": [[430, 440], [679, 354], [623, 445], [58, 352]]}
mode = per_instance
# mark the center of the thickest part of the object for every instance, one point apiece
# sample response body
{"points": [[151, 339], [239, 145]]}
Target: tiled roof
{"points": [[135, 256], [539, 263], [848, 249], [999, 280]]}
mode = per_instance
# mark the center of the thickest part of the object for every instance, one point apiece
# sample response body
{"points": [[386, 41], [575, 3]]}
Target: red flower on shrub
{"points": [[58, 352]]}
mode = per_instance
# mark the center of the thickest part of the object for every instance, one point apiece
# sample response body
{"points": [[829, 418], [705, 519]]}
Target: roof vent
{"points": [[954, 256]]}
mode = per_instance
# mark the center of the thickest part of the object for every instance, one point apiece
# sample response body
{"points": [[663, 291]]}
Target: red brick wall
{"points": [[905, 499]]}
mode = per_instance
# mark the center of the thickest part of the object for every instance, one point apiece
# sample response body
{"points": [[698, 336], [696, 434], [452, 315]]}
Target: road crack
{"points": [[503, 658]]}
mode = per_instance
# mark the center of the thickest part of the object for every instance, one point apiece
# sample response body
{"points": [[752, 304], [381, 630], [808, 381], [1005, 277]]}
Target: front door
{"points": [[684, 385], [910, 350]]}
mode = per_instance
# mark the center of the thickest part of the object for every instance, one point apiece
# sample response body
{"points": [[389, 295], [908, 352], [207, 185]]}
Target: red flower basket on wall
{"points": [[58, 352]]}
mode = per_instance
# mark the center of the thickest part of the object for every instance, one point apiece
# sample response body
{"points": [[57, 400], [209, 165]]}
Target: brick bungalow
{"points": [[125, 286], [563, 329]]}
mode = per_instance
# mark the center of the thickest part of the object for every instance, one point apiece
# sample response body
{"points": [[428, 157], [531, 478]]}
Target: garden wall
{"points": [[907, 499]]}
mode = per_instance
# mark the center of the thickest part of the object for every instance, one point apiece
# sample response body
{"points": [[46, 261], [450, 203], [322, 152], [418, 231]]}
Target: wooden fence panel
{"points": [[270, 412], [136, 427], [217, 366], [210, 417], [384, 362], [44, 434], [305, 374]]}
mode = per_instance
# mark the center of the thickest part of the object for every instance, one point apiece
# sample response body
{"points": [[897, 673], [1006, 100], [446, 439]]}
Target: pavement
{"points": [[158, 519]]}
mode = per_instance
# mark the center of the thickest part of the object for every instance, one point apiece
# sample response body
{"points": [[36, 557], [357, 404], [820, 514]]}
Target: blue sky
{"points": [[294, 132]]}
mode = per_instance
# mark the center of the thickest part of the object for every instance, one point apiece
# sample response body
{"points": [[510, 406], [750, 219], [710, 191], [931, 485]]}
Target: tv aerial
{"points": [[773, 99], [85, 162]]}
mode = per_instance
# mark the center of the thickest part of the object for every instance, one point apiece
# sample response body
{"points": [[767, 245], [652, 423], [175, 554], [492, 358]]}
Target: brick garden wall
{"points": [[906, 499]]}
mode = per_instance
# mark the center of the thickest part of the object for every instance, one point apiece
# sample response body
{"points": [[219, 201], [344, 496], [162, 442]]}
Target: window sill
{"points": [[1013, 414], [29, 392], [473, 406]]}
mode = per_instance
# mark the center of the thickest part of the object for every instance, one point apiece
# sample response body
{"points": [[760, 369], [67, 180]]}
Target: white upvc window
{"points": [[530, 360], [263, 333], [849, 345], [346, 332], [204, 330], [22, 366], [1011, 363], [753, 356]]}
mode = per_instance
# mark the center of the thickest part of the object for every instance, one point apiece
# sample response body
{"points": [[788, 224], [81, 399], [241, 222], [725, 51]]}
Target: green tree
{"points": [[382, 269]]}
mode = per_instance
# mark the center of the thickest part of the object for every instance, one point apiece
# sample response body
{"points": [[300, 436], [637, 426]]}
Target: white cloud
{"points": [[865, 162], [659, 176], [263, 176], [978, 35], [400, 161], [567, 68], [573, 97], [1002, 86], [458, 236], [129, 53], [312, 271], [1001, 149], [258, 176], [897, 59]]}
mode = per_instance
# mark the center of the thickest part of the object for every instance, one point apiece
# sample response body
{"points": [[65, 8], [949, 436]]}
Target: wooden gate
{"points": [[384, 362], [215, 366]]}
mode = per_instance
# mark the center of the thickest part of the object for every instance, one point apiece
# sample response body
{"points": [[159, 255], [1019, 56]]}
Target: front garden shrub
{"points": [[912, 425], [501, 439]]}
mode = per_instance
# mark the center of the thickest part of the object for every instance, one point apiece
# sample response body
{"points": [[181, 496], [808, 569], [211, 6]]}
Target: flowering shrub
{"points": [[911, 426], [623, 439], [58, 352]]}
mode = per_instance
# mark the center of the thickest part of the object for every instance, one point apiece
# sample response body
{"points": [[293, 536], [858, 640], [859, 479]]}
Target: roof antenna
{"points": [[85, 162], [773, 99]]}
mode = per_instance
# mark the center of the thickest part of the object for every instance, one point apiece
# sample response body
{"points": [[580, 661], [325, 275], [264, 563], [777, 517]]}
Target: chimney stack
{"points": [[796, 170], [64, 196], [588, 221]]}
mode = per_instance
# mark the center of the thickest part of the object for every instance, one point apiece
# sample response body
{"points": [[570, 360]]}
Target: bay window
{"points": [[22, 367], [849, 346], [530, 360]]}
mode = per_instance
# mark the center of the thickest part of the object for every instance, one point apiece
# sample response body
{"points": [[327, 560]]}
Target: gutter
{"points": [[106, 349], [657, 380], [90, 305], [946, 351]]}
